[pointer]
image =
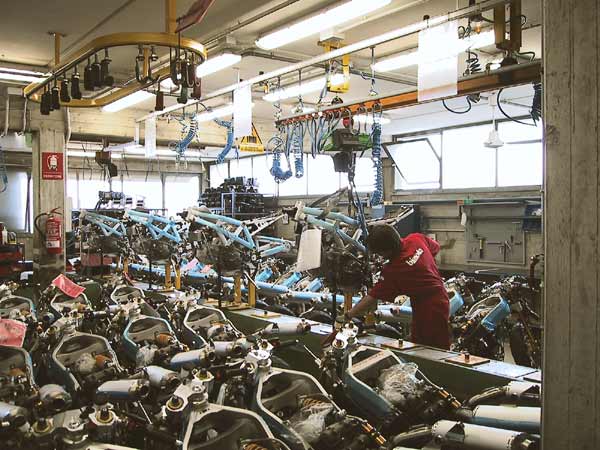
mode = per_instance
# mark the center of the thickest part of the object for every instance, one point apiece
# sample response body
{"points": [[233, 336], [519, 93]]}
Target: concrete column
{"points": [[48, 195], [571, 414]]}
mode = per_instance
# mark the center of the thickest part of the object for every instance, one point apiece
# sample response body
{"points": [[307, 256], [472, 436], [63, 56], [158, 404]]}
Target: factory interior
{"points": [[299, 225]]}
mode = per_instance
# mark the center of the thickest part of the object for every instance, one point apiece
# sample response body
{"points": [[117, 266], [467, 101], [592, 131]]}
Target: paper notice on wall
{"points": [[309, 253], [438, 62], [242, 112], [150, 137]]}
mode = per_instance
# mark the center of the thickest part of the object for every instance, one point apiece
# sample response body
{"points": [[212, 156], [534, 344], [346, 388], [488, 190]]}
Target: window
{"points": [[181, 192], [364, 175], [466, 162], [72, 190], [261, 166], [89, 186], [520, 161], [322, 178], [520, 165], [149, 190], [218, 173], [241, 167], [14, 200], [293, 186], [418, 164]]}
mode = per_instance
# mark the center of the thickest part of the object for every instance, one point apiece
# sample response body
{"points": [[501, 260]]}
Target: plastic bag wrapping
{"points": [[309, 422], [398, 381]]}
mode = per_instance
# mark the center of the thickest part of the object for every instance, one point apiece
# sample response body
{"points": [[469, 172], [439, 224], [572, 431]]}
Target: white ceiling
{"points": [[24, 39]]}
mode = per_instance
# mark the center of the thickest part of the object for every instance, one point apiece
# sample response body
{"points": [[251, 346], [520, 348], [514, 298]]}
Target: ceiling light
{"points": [[323, 21], [126, 102], [29, 76], [223, 111], [369, 119], [408, 59], [217, 63], [314, 85]]}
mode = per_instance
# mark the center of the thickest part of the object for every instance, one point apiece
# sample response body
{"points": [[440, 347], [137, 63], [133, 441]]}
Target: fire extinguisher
{"points": [[53, 232]]}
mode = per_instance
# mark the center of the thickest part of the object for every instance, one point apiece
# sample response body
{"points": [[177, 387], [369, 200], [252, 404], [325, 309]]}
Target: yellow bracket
{"points": [[178, 278], [168, 283], [345, 86], [237, 286], [251, 294], [347, 301], [34, 90], [126, 266]]}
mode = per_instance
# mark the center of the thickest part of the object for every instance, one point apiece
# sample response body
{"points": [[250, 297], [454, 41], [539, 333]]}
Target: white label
{"points": [[438, 62]]}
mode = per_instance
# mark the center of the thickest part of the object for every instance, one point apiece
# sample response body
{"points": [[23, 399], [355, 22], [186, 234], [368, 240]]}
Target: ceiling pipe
{"points": [[249, 21], [287, 59], [352, 48]]}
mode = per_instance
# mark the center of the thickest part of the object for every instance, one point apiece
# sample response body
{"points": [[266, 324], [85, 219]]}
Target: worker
{"points": [[411, 270]]}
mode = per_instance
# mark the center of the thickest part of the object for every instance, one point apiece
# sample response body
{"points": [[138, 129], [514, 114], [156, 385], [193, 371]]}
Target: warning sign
{"points": [[52, 166]]}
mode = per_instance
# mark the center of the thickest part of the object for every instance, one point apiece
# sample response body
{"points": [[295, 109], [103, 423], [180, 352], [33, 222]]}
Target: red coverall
{"points": [[414, 273]]}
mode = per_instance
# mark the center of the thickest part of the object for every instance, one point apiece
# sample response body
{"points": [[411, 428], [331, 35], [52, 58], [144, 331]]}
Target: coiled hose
{"points": [[3, 172], [276, 144], [377, 197], [473, 63], [536, 104], [190, 134], [297, 145], [229, 144]]}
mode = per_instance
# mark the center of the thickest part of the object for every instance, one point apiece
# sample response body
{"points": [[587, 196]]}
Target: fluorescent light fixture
{"points": [[216, 113], [217, 63], [369, 119], [323, 21], [29, 76], [300, 89], [126, 102], [412, 58]]}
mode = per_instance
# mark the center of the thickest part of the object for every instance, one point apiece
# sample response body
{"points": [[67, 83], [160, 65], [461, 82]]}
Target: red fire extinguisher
{"points": [[52, 231]]}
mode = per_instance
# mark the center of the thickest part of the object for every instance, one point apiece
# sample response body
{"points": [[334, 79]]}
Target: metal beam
{"points": [[502, 78]]}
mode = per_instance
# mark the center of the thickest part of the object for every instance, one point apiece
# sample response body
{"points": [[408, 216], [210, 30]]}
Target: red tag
{"points": [[67, 286], [12, 332], [206, 269], [52, 166]]}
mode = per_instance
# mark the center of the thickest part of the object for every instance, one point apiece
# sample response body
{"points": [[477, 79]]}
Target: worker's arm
{"points": [[366, 304], [433, 246]]}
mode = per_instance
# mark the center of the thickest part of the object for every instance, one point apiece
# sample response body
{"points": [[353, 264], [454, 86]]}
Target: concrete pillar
{"points": [[571, 417], [48, 194]]}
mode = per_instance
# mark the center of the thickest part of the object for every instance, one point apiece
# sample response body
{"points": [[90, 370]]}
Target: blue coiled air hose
{"points": [[229, 144], [183, 144], [377, 197], [297, 149]]}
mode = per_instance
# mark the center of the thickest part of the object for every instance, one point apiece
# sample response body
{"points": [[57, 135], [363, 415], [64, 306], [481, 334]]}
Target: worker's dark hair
{"points": [[384, 238]]}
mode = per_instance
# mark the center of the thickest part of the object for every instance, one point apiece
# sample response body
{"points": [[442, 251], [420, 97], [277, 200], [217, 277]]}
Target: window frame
{"points": [[308, 162], [409, 137]]}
